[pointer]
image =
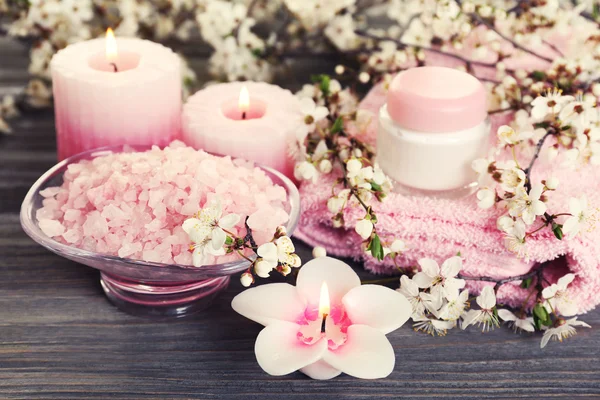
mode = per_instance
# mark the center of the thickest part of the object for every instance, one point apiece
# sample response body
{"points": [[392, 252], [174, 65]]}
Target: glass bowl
{"points": [[140, 287]]}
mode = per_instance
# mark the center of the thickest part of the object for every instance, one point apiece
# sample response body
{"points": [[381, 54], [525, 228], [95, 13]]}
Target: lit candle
{"points": [[432, 127], [111, 91], [251, 120], [325, 325]]}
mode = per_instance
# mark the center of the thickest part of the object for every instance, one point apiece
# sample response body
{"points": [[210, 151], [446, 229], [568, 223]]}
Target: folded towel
{"points": [[439, 228]]}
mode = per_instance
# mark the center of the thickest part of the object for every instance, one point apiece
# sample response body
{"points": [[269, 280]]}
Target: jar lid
{"points": [[436, 100]]}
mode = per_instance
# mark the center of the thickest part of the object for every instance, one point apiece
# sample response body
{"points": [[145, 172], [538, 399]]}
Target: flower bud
{"points": [[247, 279], [552, 183], [325, 166], [364, 228], [319, 252]]}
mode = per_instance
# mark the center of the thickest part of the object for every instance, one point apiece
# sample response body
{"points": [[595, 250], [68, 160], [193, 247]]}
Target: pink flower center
{"points": [[336, 327]]}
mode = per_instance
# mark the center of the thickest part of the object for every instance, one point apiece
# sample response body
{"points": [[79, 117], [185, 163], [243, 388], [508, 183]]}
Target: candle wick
{"points": [[114, 67], [243, 114], [323, 323]]}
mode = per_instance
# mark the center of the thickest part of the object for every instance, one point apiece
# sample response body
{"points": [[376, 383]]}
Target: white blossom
{"points": [[523, 323], [485, 316], [563, 331], [364, 228], [432, 274], [206, 231], [557, 297], [581, 216]]}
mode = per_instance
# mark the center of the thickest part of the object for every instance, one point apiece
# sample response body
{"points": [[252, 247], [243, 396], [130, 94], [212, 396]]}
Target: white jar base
{"points": [[451, 194]]}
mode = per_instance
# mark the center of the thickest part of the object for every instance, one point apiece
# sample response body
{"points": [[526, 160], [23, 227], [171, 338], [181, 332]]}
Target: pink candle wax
{"points": [[125, 93], [251, 120]]}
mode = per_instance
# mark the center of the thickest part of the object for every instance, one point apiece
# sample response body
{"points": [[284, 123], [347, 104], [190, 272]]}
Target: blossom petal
{"points": [[564, 281], [429, 266], [487, 298], [423, 280], [470, 317], [229, 221], [525, 324], [338, 275], [451, 267], [320, 370], [571, 226], [367, 354], [285, 245], [196, 230], [270, 303], [268, 251], [506, 315], [199, 257], [218, 238], [378, 307], [279, 352]]}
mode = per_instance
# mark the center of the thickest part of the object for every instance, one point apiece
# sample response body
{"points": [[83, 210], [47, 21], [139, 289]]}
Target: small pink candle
{"points": [[115, 91], [251, 120]]}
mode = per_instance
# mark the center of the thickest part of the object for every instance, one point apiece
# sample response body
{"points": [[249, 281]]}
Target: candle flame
{"points": [[111, 46], [244, 100], [324, 306]]}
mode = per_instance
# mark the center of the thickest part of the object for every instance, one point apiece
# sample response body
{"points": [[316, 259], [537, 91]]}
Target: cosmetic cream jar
{"points": [[432, 127]]}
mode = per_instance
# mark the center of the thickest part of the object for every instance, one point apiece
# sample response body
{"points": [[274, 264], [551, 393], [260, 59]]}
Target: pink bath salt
{"points": [[80, 201], [267, 218], [50, 192], [114, 214], [72, 236], [51, 228], [130, 195], [155, 225], [72, 215], [140, 168], [47, 213], [129, 248], [151, 256], [133, 204], [95, 225], [184, 258]]}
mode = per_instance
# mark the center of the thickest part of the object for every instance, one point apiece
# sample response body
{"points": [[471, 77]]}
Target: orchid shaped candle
{"points": [[115, 91], [433, 126], [251, 120], [326, 325]]}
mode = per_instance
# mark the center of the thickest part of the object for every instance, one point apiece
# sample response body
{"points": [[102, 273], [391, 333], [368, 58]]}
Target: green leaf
{"points": [[557, 229], [565, 128], [375, 186], [459, 254], [228, 240], [596, 11], [325, 80], [337, 125], [257, 53], [526, 283], [538, 75], [541, 313], [376, 248]]}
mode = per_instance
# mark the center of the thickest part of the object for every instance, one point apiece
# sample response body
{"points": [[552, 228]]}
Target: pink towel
{"points": [[438, 229]]}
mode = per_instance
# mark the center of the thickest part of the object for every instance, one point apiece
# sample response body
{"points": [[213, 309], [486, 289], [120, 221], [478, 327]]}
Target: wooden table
{"points": [[61, 339]]}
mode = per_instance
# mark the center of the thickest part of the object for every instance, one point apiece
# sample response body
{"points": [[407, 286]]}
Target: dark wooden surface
{"points": [[61, 339]]}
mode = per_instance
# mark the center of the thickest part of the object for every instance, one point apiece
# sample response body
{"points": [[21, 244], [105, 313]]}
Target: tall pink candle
{"points": [[251, 120], [112, 93]]}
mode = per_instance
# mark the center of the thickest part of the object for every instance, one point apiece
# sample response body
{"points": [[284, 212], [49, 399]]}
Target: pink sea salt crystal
{"points": [[95, 225], [50, 192], [133, 204], [129, 248], [72, 236], [51, 228], [72, 215]]}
